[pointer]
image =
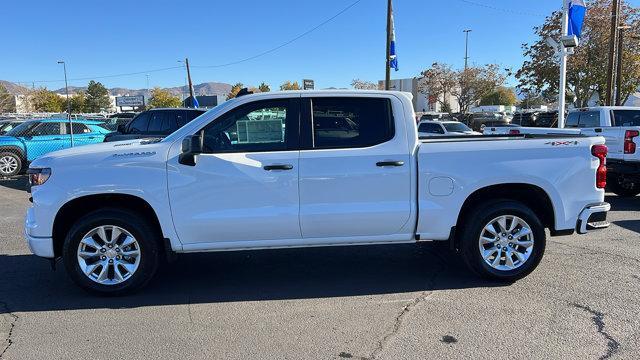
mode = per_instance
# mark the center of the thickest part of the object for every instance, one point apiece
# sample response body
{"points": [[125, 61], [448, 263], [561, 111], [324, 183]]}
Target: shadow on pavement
{"points": [[28, 285], [17, 182], [623, 203]]}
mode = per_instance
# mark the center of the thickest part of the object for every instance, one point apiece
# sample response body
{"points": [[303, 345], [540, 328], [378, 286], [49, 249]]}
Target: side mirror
{"points": [[122, 128], [191, 146]]}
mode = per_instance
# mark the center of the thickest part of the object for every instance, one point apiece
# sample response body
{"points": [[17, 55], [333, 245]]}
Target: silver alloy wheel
{"points": [[506, 242], [109, 255], [8, 165]]}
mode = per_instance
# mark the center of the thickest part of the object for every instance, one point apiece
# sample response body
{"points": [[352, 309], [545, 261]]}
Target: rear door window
{"points": [[627, 117], [350, 122], [47, 128]]}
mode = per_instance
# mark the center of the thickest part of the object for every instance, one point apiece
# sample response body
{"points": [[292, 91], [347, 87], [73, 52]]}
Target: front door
{"points": [[355, 171], [245, 186], [44, 138]]}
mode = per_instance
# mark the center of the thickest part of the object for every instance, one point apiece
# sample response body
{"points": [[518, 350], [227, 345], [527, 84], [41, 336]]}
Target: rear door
{"points": [[590, 122], [355, 171]]}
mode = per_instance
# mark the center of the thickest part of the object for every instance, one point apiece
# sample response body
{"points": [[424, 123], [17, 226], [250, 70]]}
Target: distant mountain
{"points": [[208, 88], [12, 88]]}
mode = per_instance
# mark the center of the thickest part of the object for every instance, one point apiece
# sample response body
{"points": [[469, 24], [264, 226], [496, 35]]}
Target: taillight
{"points": [[629, 145], [600, 151], [514, 132]]}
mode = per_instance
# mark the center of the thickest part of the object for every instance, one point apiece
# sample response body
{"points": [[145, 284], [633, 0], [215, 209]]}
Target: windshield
{"points": [[456, 127], [22, 129]]}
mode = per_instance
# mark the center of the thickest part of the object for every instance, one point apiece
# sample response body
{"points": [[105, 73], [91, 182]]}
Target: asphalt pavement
{"points": [[375, 302]]}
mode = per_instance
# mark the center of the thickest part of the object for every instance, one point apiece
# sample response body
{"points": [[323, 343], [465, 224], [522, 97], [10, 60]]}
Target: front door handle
{"points": [[598, 130], [389, 163], [278, 167]]}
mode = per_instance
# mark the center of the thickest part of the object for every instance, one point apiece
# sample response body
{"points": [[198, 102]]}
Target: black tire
{"points": [[14, 157], [623, 187], [146, 236], [472, 229]]}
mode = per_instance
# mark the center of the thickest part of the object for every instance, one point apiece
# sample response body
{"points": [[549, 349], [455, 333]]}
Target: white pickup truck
{"points": [[619, 125], [310, 168]]}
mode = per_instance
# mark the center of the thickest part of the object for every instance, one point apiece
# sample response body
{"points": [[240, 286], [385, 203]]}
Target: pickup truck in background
{"points": [[619, 125], [305, 169]]}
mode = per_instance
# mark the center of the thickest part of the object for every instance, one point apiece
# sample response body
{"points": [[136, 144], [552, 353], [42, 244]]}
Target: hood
{"points": [[102, 152]]}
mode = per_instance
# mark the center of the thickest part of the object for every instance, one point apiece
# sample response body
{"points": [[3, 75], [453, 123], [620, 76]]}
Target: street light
{"points": [[621, 30], [66, 89], [466, 47]]}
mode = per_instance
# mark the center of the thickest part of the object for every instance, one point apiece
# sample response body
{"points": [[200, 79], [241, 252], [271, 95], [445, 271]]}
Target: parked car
{"points": [[34, 138], [444, 128], [6, 125], [479, 121], [113, 121], [437, 116], [110, 211], [154, 123]]}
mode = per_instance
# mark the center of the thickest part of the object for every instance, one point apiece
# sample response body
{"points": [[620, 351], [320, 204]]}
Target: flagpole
{"points": [[387, 78], [563, 65], [186, 61]]}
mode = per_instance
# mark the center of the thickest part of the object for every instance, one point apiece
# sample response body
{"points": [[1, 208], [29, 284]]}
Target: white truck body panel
{"points": [[330, 197]]}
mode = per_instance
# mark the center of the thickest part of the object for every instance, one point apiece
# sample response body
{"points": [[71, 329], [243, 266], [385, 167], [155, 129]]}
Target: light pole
{"points": [[66, 89], [621, 30], [466, 47], [148, 92]]}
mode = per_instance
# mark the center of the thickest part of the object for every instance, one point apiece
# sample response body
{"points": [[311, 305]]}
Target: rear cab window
{"points": [[583, 119], [626, 117], [349, 122]]}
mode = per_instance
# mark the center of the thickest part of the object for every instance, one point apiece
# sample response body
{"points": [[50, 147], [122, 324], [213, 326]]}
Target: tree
{"points": [[161, 98], [363, 85], [467, 86], [97, 97], [264, 87], [288, 85], [531, 99], [587, 68], [438, 81], [78, 102], [7, 101], [234, 90], [500, 96], [46, 101]]}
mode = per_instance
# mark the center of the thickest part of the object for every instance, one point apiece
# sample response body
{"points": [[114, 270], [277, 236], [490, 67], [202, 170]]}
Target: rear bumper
{"points": [[593, 217]]}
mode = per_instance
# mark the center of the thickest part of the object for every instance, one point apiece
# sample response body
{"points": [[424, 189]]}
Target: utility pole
{"points": [[66, 89], [387, 77], [619, 69], [563, 66], [615, 10], [466, 47], [186, 62]]}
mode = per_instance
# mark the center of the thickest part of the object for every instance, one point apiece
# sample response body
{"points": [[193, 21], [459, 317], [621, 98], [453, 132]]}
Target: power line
{"points": [[511, 11], [208, 66], [283, 44]]}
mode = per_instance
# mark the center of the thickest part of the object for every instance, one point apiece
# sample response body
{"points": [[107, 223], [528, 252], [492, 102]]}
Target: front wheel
{"points": [[502, 240], [624, 187], [111, 252], [10, 164]]}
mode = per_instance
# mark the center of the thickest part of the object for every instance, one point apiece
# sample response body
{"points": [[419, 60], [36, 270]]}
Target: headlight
{"points": [[38, 176]]}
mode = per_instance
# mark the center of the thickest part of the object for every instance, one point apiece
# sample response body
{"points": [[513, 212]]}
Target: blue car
{"points": [[34, 138]]}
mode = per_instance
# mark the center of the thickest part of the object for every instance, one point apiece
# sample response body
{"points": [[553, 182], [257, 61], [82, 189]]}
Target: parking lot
{"points": [[359, 302]]}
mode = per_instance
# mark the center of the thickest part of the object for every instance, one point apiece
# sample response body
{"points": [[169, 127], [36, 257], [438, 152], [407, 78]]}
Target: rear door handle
{"points": [[278, 167], [389, 163], [598, 130]]}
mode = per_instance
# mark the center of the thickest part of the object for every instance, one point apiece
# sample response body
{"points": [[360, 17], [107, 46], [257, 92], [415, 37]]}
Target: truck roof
{"points": [[335, 92], [606, 108]]}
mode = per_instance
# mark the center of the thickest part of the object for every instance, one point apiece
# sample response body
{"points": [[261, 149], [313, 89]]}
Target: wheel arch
{"points": [[16, 150], [81, 206], [533, 196]]}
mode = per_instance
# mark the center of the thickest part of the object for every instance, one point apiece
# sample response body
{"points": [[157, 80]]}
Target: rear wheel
{"points": [[111, 252], [622, 186], [503, 240], [10, 164]]}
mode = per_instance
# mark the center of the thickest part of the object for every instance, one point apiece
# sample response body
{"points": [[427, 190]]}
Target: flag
{"points": [[577, 12], [194, 100], [393, 57]]}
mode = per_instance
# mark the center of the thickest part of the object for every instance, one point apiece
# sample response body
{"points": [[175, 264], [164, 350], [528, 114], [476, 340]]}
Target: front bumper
{"points": [[593, 217], [40, 246]]}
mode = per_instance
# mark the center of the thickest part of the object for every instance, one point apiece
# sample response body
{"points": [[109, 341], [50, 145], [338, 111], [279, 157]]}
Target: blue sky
{"points": [[117, 36]]}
